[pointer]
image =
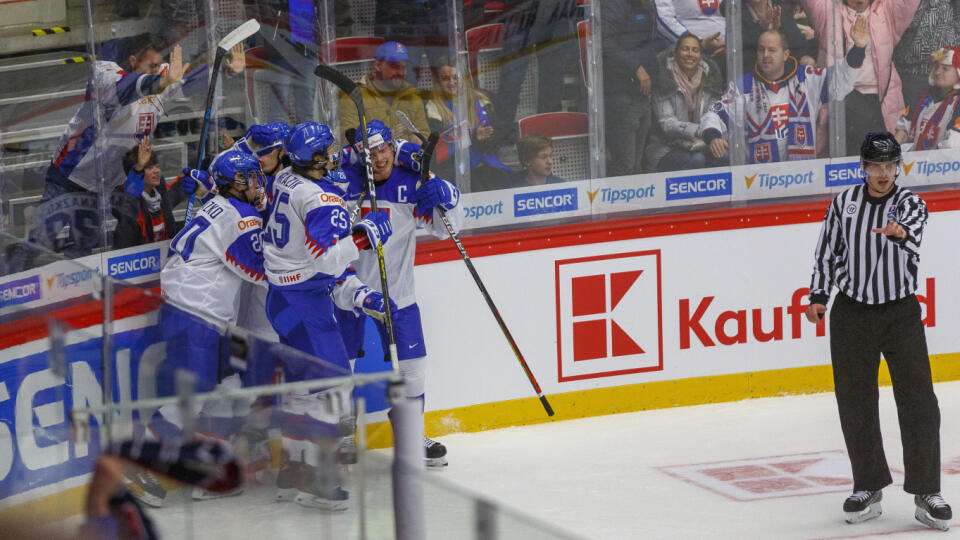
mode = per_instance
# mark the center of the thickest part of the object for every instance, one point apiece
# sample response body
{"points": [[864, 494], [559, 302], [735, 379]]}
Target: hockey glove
{"points": [[436, 192], [133, 185], [371, 302], [193, 177], [373, 229]]}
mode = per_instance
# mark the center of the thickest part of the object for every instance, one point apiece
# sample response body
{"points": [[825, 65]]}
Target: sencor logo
{"points": [[608, 315], [134, 264], [20, 291], [480, 210], [844, 174], [693, 187], [545, 202]]}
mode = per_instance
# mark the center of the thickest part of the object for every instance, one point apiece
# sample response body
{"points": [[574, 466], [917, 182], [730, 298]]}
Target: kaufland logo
{"points": [[695, 187], [609, 315]]}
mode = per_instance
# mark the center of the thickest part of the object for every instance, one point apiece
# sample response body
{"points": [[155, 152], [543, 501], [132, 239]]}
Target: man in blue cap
{"points": [[386, 91]]}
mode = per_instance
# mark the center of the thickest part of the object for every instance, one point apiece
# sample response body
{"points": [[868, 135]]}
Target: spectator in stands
{"points": [[777, 105], [385, 91], [629, 46], [544, 28], [761, 15], [934, 24], [422, 26], [536, 158], [486, 169], [933, 121], [132, 99], [701, 18], [147, 214], [877, 100], [688, 85]]}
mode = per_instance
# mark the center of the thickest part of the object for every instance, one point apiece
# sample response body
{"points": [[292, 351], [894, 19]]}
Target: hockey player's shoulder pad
{"points": [[245, 210]]}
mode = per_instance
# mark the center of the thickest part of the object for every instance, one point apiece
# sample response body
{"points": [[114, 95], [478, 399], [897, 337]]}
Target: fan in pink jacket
{"points": [[888, 20]]}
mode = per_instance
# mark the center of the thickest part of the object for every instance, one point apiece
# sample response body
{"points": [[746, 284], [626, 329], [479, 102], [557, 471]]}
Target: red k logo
{"points": [[608, 315]]}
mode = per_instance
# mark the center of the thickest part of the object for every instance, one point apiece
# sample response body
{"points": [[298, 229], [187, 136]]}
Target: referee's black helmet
{"points": [[880, 146]]}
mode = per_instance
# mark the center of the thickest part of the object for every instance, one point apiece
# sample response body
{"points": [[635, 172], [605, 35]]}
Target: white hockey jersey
{"points": [[931, 124], [701, 18], [398, 196], [130, 111], [307, 241], [212, 256]]}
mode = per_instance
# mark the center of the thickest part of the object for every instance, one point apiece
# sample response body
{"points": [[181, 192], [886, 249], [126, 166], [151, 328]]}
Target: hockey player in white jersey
{"points": [[409, 206], [308, 247], [778, 104], [209, 261]]}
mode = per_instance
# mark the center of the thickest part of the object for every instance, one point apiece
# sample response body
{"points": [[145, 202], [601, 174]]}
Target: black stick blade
{"points": [[342, 81], [427, 156]]}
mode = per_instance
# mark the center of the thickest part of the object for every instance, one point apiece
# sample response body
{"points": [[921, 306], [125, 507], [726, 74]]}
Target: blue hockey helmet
{"points": [[261, 139], [308, 139], [231, 163], [377, 133]]}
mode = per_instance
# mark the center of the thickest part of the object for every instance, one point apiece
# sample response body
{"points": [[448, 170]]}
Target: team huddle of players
{"points": [[278, 216]]}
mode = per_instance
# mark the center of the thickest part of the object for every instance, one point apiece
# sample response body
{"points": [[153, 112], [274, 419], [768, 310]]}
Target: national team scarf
{"points": [[767, 124], [927, 138]]}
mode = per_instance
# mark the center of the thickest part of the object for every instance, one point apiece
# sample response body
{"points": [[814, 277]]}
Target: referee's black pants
{"points": [[859, 334]]}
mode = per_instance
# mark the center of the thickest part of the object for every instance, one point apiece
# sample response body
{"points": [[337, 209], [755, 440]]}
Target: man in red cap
{"points": [[932, 122], [386, 91]]}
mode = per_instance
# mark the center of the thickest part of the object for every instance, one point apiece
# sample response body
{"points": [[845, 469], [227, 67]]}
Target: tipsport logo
{"points": [[609, 315], [778, 181], [621, 196]]}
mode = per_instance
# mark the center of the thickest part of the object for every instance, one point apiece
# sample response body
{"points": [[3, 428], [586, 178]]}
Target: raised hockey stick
{"points": [[351, 89], [428, 147], [238, 34]]}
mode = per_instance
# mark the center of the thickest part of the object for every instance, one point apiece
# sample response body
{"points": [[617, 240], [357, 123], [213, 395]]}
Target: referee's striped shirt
{"points": [[866, 266]]}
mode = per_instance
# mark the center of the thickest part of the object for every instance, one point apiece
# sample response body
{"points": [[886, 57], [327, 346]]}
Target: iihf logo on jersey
{"points": [[609, 316]]}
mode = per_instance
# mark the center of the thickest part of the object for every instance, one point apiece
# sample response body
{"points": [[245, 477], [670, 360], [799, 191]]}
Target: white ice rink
{"points": [[765, 468]]}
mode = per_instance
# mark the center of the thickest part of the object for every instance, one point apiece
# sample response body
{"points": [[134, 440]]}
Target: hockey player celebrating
{"points": [[409, 206], [781, 100], [308, 247], [209, 261], [869, 249]]}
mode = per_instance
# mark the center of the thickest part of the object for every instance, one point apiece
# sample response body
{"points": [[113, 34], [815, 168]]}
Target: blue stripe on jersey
{"points": [[346, 273], [133, 86], [246, 210], [68, 160], [323, 226], [245, 254]]}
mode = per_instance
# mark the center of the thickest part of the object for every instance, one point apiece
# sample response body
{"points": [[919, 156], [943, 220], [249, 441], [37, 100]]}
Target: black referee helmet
{"points": [[880, 146]]}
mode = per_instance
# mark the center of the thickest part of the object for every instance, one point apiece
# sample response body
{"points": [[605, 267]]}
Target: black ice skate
{"points": [[436, 453], [933, 511], [863, 505], [145, 488]]}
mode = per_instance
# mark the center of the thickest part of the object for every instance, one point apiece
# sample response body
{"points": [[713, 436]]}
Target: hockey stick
{"points": [[238, 34], [428, 148], [351, 89]]}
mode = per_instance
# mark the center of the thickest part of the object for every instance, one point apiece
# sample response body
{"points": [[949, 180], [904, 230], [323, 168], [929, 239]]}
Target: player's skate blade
{"points": [[200, 494], [436, 453], [336, 500], [863, 506], [933, 511]]}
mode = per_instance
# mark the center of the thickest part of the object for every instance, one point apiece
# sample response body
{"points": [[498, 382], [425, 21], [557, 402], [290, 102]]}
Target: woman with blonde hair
{"points": [[487, 171]]}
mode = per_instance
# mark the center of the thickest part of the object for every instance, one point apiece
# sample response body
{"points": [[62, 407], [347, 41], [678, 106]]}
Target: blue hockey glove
{"points": [[373, 229], [133, 185], [371, 302], [192, 177], [436, 192]]}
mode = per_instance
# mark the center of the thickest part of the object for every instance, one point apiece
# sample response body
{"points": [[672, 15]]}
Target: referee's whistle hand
{"points": [[893, 229], [815, 313]]}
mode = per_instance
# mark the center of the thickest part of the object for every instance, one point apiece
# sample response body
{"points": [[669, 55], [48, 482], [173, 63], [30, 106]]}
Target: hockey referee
{"points": [[868, 249]]}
